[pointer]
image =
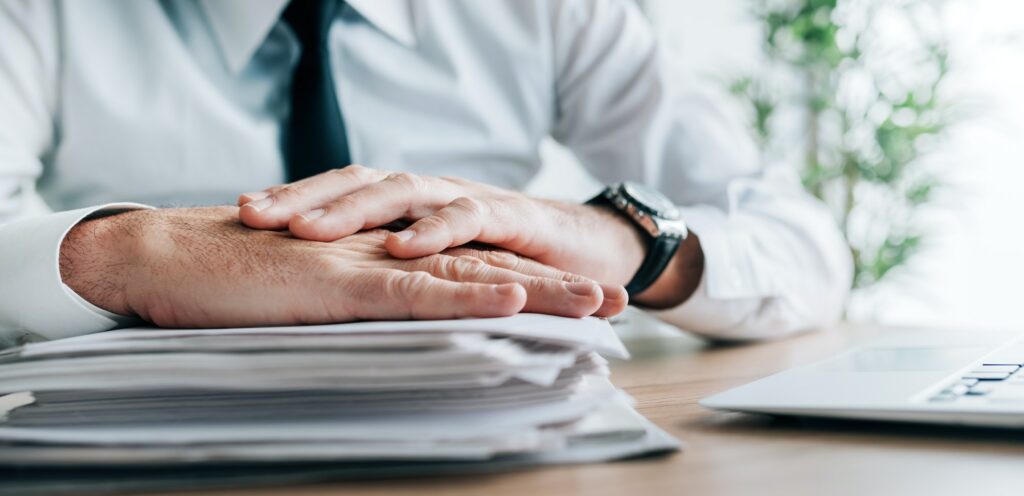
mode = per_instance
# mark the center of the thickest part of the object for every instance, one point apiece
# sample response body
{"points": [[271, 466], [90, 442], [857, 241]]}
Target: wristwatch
{"points": [[656, 217]]}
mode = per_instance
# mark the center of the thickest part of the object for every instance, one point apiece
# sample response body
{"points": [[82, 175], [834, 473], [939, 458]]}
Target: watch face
{"points": [[651, 200]]}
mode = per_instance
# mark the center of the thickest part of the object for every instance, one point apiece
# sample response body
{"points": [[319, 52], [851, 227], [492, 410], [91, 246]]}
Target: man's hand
{"points": [[201, 267], [448, 212]]}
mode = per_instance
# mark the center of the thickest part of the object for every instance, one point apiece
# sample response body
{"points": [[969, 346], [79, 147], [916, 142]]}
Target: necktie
{"points": [[315, 138]]}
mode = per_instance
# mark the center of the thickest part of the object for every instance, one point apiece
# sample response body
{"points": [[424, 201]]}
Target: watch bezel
{"points": [[649, 200], [666, 221]]}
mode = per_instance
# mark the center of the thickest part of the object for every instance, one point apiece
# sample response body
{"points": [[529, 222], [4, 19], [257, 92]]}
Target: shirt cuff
{"points": [[34, 301], [729, 289]]}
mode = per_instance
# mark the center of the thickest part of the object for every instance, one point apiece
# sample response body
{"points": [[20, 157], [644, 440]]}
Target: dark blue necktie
{"points": [[315, 139]]}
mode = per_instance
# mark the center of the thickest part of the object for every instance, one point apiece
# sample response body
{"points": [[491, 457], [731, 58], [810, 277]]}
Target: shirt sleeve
{"points": [[775, 262], [34, 302]]}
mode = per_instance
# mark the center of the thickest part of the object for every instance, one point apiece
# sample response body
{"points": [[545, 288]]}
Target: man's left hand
{"points": [[446, 212]]}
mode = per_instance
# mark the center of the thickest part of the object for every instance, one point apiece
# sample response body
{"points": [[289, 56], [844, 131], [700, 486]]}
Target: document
{"points": [[456, 395]]}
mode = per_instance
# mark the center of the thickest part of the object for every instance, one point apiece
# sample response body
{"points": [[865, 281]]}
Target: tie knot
{"points": [[310, 19]]}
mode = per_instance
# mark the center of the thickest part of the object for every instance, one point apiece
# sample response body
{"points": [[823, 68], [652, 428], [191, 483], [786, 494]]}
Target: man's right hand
{"points": [[201, 268]]}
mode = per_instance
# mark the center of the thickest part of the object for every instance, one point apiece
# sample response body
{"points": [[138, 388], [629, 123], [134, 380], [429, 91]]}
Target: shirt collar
{"points": [[240, 26]]}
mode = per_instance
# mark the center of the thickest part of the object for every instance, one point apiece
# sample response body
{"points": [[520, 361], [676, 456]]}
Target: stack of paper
{"points": [[391, 396]]}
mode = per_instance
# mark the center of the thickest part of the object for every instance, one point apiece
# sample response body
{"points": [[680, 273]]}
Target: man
{"points": [[194, 102]]}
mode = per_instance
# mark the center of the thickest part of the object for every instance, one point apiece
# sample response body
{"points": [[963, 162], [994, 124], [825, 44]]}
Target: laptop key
{"points": [[1014, 355], [997, 368], [956, 389], [987, 376], [980, 389]]}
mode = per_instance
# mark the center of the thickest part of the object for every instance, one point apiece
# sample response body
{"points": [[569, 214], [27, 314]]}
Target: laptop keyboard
{"points": [[998, 381]]}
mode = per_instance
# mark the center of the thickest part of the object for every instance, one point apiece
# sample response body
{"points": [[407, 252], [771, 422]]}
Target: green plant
{"points": [[864, 78]]}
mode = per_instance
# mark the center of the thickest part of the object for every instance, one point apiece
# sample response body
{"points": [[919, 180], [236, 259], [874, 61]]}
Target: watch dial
{"points": [[651, 200]]}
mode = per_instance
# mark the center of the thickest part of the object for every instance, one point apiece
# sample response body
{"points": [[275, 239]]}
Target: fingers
{"points": [[466, 220], [615, 301], [276, 208], [396, 294], [543, 295], [461, 221], [397, 196], [258, 195]]}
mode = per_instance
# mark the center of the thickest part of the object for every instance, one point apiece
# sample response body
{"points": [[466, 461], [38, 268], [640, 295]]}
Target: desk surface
{"points": [[743, 454]]}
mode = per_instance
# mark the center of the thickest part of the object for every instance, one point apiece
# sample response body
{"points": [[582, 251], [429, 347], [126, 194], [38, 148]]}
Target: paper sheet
{"points": [[590, 332], [390, 398]]}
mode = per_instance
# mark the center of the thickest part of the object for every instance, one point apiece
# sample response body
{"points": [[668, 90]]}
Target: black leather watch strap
{"points": [[659, 253]]}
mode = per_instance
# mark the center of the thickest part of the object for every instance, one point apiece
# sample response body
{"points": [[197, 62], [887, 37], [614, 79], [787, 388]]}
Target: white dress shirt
{"points": [[182, 103]]}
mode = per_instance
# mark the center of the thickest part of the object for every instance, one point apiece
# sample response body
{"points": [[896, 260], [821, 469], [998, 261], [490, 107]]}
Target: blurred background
{"points": [[906, 117]]}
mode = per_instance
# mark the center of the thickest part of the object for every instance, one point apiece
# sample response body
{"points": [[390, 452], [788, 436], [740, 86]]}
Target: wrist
{"points": [[601, 244], [628, 245], [96, 260], [672, 262], [680, 278]]}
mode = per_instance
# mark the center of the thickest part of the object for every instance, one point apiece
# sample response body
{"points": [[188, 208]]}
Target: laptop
{"points": [[940, 377]]}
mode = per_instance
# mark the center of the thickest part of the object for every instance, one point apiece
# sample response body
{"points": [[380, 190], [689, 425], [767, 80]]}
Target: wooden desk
{"points": [[744, 454]]}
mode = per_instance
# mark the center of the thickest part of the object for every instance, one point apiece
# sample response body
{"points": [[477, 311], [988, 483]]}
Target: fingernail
{"points": [[257, 195], [405, 235], [259, 205], [506, 289], [614, 292], [581, 288], [313, 215]]}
